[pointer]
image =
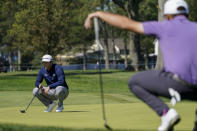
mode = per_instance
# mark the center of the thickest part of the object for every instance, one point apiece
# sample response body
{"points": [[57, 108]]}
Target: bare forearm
{"points": [[118, 21], [115, 20]]}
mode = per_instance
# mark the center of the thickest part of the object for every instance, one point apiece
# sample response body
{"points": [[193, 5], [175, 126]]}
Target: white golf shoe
{"points": [[175, 96], [50, 107], [170, 119], [59, 108]]}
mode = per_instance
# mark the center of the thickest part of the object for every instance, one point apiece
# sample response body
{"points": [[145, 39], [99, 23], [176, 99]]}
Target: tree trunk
{"points": [[19, 60], [131, 7], [133, 53], [114, 50], [106, 46], [84, 59], [10, 61], [159, 62], [133, 49], [146, 61], [125, 53]]}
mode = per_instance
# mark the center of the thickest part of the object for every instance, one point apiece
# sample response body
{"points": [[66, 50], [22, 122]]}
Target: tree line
{"points": [[31, 28]]}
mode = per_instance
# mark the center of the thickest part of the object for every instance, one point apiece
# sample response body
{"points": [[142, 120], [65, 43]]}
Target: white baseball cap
{"points": [[47, 58], [171, 7]]}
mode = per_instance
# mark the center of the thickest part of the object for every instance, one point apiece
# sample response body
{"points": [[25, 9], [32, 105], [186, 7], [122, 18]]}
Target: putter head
{"points": [[108, 127], [22, 111]]}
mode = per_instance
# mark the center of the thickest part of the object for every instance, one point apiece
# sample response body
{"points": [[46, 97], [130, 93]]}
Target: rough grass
{"points": [[78, 81]]}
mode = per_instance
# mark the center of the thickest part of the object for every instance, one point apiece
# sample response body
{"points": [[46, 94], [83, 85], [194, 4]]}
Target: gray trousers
{"points": [[59, 93], [148, 85]]}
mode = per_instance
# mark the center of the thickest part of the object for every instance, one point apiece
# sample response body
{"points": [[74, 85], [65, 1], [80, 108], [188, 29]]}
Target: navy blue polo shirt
{"points": [[55, 77]]}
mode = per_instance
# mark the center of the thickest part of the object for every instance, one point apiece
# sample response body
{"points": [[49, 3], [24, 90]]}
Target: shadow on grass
{"points": [[142, 130], [75, 111], [19, 127]]}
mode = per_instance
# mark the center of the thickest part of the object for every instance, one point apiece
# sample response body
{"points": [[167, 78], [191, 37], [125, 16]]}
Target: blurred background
{"points": [[32, 28]]}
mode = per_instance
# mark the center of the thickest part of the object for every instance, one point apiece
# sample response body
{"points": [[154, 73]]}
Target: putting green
{"points": [[133, 116]]}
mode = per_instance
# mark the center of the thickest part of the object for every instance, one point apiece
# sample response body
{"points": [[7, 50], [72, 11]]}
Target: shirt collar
{"points": [[180, 17]]}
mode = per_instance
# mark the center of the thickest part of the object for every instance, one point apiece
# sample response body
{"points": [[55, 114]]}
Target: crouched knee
{"points": [[60, 90], [35, 91], [132, 82]]}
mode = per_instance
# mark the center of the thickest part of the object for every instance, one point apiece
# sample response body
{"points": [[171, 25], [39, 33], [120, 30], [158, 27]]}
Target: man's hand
{"points": [[46, 90], [41, 87], [87, 23], [116, 20]]}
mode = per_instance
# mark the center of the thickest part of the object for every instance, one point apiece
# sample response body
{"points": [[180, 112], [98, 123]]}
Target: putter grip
{"points": [[96, 28]]}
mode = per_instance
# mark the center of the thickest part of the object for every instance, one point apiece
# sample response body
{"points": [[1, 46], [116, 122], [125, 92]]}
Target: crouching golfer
{"points": [[56, 88], [178, 41]]}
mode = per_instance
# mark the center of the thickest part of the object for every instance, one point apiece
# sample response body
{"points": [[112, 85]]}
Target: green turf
{"points": [[78, 81], [83, 110], [22, 98]]}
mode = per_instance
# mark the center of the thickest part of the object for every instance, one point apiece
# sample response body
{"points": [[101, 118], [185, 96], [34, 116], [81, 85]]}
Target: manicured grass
{"points": [[85, 113], [22, 98], [82, 109]]}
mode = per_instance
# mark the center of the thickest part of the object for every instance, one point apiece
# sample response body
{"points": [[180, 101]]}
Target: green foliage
{"points": [[54, 27], [79, 38], [41, 25], [148, 11], [145, 10], [8, 9], [192, 9], [131, 7]]}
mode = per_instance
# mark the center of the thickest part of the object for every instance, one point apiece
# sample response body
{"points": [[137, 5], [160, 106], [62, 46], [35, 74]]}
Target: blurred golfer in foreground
{"points": [[178, 41], [56, 88]]}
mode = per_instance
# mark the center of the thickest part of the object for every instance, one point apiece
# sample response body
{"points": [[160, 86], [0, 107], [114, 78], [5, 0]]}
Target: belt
{"points": [[183, 82]]}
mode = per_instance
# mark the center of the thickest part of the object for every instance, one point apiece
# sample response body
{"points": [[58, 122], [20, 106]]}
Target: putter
{"points": [[25, 110], [96, 28]]}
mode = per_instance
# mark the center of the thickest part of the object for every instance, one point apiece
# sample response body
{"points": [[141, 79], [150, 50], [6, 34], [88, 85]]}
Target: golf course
{"points": [[82, 108]]}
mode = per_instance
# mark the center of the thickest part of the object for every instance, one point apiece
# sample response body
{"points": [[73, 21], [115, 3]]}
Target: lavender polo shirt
{"points": [[178, 43]]}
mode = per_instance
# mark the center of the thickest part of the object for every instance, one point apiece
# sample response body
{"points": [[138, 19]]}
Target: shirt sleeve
{"points": [[152, 28], [39, 78], [60, 76]]}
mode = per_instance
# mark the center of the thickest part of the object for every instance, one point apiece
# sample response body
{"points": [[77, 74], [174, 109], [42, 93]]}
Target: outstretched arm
{"points": [[116, 20]]}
